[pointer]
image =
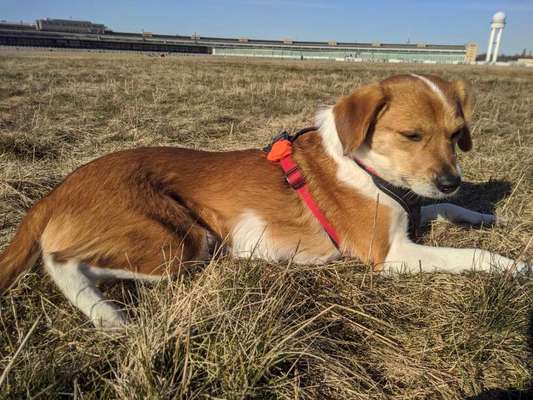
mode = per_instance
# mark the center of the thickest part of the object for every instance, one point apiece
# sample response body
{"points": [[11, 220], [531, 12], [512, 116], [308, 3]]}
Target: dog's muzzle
{"points": [[448, 183]]}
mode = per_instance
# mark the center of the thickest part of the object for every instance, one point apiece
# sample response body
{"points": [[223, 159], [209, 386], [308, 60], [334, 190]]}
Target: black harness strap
{"points": [[409, 201], [286, 136]]}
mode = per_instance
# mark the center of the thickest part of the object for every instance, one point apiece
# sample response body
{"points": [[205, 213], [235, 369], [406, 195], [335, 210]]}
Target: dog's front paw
{"points": [[499, 219], [521, 269]]}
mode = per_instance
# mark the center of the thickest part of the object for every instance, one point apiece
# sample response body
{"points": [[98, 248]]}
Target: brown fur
{"points": [[24, 248], [354, 115], [172, 212], [146, 209]]}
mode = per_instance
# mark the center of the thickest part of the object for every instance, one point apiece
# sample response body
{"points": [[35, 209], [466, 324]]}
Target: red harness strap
{"points": [[281, 152]]}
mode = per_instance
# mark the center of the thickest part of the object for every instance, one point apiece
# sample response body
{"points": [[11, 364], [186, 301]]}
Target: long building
{"points": [[345, 51], [87, 35]]}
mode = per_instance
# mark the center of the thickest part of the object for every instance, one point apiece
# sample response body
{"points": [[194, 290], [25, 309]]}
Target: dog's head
{"points": [[407, 128]]}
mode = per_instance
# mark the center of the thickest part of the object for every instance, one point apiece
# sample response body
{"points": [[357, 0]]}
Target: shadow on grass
{"points": [[511, 394], [483, 196], [503, 394]]}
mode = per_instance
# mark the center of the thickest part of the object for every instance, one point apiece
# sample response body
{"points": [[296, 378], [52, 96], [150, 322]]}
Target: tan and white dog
{"points": [[137, 214]]}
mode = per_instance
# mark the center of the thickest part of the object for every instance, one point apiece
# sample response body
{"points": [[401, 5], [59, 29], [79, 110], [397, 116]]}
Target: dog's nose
{"points": [[448, 183]]}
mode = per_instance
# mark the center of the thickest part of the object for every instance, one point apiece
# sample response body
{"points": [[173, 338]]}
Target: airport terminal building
{"points": [[343, 51], [58, 33]]}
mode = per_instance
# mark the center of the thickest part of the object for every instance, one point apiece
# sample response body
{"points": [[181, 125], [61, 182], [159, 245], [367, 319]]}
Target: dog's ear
{"points": [[465, 102], [356, 114]]}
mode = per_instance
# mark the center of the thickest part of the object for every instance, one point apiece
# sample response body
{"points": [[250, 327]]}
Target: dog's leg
{"points": [[82, 292], [405, 255], [454, 213]]}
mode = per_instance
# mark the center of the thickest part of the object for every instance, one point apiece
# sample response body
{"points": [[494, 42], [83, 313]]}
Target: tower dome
{"points": [[499, 17]]}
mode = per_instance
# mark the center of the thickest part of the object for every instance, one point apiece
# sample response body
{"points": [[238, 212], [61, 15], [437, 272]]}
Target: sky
{"points": [[385, 21]]}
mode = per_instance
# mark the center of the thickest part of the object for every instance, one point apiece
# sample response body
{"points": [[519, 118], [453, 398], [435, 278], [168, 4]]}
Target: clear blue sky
{"points": [[430, 21]]}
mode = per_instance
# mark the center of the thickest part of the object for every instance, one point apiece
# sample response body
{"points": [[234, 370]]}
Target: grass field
{"points": [[242, 329]]}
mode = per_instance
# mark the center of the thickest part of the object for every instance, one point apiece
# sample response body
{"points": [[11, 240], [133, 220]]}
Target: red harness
{"points": [[281, 151]]}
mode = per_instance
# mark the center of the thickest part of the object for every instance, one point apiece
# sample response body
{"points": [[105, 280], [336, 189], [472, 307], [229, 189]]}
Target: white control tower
{"points": [[497, 25]]}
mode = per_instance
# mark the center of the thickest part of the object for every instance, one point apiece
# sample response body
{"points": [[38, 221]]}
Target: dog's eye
{"points": [[413, 136]]}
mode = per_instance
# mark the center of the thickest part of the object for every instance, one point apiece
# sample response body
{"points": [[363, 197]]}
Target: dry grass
{"points": [[243, 329]]}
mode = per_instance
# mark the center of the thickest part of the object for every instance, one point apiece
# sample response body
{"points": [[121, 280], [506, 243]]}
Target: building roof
{"points": [[265, 43]]}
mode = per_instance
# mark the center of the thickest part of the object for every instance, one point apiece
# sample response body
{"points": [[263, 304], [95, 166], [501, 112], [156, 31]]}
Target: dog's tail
{"points": [[24, 249]]}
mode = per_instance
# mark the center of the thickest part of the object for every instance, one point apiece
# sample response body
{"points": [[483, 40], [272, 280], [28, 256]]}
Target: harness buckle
{"points": [[281, 136], [295, 178]]}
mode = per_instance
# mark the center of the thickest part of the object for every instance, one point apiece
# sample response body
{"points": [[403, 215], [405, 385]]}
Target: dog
{"points": [[342, 189]]}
